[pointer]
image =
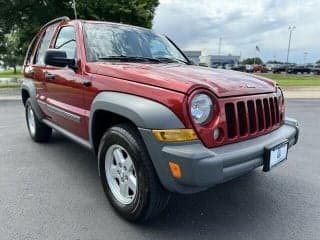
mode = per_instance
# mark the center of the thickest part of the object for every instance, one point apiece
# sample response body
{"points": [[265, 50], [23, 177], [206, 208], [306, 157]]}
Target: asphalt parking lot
{"points": [[52, 191]]}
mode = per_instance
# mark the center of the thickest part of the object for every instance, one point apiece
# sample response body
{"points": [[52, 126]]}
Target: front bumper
{"points": [[203, 168]]}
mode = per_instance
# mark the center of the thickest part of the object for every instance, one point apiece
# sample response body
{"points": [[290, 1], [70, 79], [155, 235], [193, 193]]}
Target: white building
{"points": [[222, 60], [194, 56]]}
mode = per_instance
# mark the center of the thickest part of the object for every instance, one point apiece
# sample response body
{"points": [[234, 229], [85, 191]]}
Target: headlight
{"points": [[279, 96], [201, 108]]}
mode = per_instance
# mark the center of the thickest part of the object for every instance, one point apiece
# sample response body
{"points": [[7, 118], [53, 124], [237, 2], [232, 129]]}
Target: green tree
{"points": [[28, 16], [252, 61], [318, 62], [275, 62], [11, 53]]}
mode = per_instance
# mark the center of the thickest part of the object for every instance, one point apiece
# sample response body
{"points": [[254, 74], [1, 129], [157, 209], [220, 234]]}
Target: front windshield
{"points": [[107, 41]]}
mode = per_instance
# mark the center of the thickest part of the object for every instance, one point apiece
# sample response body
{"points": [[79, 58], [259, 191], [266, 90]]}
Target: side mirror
{"points": [[58, 58]]}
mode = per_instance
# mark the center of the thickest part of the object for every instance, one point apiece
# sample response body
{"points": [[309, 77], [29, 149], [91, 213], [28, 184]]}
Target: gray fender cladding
{"points": [[144, 113], [30, 87], [141, 111]]}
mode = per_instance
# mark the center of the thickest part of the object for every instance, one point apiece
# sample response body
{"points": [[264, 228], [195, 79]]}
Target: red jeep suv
{"points": [[157, 123]]}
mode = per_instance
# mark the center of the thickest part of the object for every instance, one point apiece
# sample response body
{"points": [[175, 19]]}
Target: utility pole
{"points": [[219, 50], [74, 9], [305, 57], [291, 29]]}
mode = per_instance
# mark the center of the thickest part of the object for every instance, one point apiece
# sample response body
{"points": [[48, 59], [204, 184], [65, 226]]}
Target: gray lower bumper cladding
{"points": [[203, 168]]}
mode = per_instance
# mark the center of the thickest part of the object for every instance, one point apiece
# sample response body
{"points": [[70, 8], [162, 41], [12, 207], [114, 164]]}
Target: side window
{"points": [[44, 45], [66, 41], [30, 51]]}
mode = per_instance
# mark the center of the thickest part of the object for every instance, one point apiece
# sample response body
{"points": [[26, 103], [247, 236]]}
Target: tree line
{"points": [[21, 19]]}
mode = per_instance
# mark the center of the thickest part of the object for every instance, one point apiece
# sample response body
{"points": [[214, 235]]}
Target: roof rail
{"points": [[56, 20]]}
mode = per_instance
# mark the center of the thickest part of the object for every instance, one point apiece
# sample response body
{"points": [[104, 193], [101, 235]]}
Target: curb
{"points": [[10, 98]]}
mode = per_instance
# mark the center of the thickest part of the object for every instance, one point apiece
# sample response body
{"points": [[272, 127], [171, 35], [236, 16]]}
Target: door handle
{"points": [[86, 83], [49, 76]]}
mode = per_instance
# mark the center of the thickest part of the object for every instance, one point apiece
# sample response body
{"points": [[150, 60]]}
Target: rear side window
{"points": [[44, 45], [66, 41], [30, 51]]}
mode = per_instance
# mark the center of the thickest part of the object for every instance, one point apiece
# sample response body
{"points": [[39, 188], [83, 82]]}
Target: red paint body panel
{"points": [[172, 85], [184, 78]]}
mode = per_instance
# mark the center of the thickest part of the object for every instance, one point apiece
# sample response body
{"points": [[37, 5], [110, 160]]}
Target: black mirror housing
{"points": [[58, 58]]}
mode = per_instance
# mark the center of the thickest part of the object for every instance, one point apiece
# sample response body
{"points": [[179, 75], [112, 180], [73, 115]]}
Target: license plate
{"points": [[275, 154]]}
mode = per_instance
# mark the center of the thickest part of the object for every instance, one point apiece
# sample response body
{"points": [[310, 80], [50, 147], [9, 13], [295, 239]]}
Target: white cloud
{"points": [[243, 24]]}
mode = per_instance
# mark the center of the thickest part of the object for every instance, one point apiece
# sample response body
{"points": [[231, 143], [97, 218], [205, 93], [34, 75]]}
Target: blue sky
{"points": [[242, 25]]}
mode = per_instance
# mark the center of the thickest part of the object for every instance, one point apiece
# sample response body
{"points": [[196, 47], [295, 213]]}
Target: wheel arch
{"points": [[28, 90], [109, 108], [101, 121]]}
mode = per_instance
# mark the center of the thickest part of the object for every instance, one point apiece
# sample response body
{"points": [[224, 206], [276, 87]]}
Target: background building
{"points": [[194, 56], [216, 60]]}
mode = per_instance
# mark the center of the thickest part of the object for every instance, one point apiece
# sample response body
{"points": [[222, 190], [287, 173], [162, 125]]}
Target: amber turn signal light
{"points": [[175, 135], [175, 170]]}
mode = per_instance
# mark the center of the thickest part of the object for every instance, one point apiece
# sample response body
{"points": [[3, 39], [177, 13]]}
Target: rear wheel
{"points": [[38, 131], [127, 174]]}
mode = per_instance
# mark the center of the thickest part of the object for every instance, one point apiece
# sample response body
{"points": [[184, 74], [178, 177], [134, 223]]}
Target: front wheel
{"points": [[127, 174]]}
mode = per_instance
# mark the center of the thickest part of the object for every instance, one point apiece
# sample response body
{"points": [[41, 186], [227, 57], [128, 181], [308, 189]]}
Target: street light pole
{"points": [[291, 29], [219, 50], [305, 57]]}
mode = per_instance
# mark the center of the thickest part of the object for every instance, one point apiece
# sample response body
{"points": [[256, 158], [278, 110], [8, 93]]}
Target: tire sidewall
{"points": [[29, 106], [134, 209]]}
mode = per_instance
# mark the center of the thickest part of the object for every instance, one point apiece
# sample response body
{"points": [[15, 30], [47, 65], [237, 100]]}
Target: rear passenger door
{"points": [[64, 86]]}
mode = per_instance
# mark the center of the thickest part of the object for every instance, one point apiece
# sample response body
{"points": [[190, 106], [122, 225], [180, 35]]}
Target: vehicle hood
{"points": [[186, 78]]}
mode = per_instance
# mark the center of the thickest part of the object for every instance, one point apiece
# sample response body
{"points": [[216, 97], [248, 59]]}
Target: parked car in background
{"points": [[280, 68], [315, 70], [260, 68], [240, 68], [249, 68], [299, 69]]}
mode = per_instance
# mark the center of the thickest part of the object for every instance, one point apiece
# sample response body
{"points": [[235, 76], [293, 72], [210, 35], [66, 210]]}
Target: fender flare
{"points": [[144, 113], [29, 86]]}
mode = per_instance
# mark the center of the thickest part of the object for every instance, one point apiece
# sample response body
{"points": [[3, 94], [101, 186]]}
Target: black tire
{"points": [[150, 198], [40, 132]]}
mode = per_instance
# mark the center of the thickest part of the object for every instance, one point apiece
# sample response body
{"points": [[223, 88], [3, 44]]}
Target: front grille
{"points": [[231, 120], [250, 117]]}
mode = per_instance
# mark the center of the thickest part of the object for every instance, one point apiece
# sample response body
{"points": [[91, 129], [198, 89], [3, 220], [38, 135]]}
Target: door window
{"points": [[44, 45], [66, 41]]}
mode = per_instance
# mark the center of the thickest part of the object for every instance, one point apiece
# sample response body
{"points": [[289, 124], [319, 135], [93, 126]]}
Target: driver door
{"points": [[64, 88]]}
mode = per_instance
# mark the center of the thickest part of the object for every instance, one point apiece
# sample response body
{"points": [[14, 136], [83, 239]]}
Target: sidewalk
{"points": [[289, 92], [301, 92]]}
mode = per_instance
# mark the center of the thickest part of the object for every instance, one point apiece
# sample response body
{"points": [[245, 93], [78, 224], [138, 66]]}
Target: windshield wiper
{"points": [[129, 58], [165, 59]]}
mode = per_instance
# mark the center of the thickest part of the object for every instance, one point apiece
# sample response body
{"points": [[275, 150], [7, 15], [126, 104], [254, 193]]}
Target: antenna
{"points": [[74, 9]]}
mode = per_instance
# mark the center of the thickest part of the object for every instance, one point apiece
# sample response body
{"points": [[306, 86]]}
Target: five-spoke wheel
{"points": [[121, 174], [127, 174]]}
